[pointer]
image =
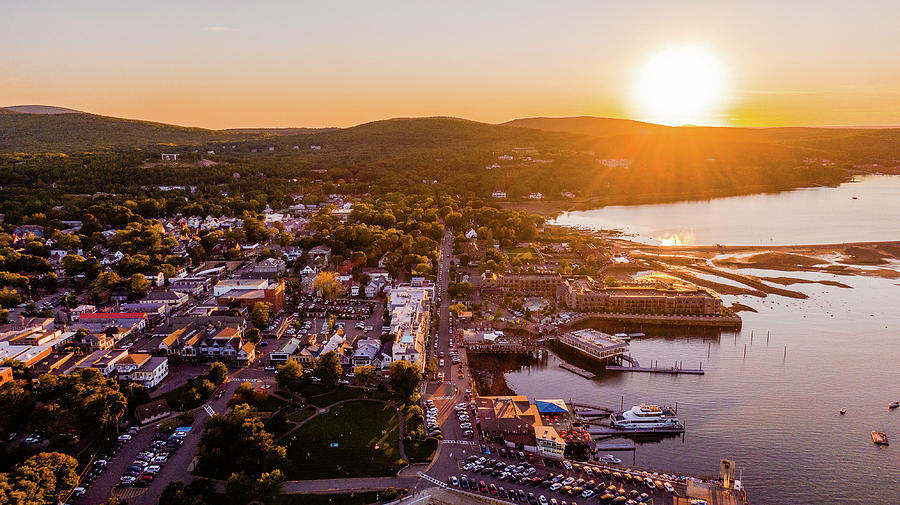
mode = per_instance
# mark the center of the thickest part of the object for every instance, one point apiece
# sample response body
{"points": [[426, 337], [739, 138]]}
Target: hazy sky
{"points": [[330, 63]]}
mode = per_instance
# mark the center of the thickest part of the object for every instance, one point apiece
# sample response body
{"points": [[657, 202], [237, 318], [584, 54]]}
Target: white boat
{"points": [[893, 405], [646, 417], [609, 458]]}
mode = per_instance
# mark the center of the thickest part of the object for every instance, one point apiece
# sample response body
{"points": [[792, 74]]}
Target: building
{"points": [[499, 194], [527, 284], [174, 342], [170, 157], [269, 267], [153, 411], [194, 285], [410, 308], [174, 299], [151, 372], [26, 353], [366, 351], [287, 352], [131, 362], [656, 295], [99, 321], [6, 374], [248, 292], [518, 422], [595, 344]]}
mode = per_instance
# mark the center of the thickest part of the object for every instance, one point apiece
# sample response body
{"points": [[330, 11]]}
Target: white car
{"points": [[668, 487], [123, 438], [152, 469]]}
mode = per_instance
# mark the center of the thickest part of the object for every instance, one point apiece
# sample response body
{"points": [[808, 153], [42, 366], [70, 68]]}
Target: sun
{"points": [[681, 85]]}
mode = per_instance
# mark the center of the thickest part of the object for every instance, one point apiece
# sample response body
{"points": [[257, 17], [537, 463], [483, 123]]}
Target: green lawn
{"points": [[420, 451], [366, 434], [336, 395], [301, 414], [525, 254]]}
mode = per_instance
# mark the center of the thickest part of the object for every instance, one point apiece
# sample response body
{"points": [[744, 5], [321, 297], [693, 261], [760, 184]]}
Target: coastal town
{"points": [[289, 329]]}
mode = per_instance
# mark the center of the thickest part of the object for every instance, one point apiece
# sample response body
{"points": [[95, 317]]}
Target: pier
{"points": [[676, 369], [608, 431], [614, 445], [578, 371]]}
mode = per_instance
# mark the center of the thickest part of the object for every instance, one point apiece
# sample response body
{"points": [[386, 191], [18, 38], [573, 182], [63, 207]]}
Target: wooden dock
{"points": [[576, 370], [614, 445], [673, 370], [608, 431]]}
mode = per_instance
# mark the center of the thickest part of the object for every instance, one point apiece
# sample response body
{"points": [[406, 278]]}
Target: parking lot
{"points": [[507, 475]]}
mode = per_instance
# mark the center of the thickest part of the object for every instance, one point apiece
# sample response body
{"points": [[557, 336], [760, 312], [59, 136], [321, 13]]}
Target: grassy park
{"points": [[355, 439]]}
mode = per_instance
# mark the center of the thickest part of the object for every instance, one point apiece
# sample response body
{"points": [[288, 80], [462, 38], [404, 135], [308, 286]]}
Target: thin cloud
{"points": [[216, 29]]}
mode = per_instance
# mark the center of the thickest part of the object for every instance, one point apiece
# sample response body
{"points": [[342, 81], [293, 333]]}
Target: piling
{"points": [[745, 350], [708, 349]]}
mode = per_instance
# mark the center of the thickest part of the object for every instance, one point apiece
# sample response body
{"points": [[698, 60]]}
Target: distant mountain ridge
{"points": [[40, 128], [40, 109]]}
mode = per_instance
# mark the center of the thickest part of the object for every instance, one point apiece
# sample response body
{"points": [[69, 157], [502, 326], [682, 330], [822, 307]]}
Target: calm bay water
{"points": [[775, 414], [819, 215]]}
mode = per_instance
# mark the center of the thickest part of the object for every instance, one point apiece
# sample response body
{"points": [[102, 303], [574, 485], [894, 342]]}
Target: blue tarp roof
{"points": [[551, 406]]}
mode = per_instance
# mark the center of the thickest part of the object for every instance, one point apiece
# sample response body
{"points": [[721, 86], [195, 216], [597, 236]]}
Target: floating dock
{"points": [[606, 431], [576, 370], [614, 445], [673, 370]]}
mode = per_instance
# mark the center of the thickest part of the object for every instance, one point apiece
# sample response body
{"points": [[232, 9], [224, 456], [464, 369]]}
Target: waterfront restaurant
{"points": [[596, 344]]}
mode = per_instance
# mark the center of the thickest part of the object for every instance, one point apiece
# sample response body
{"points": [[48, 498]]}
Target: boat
{"points": [[879, 438], [843, 411], [609, 458], [893, 405], [646, 417]]}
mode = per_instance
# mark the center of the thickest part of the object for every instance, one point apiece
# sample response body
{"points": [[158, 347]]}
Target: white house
{"points": [[499, 194], [152, 372], [170, 157]]}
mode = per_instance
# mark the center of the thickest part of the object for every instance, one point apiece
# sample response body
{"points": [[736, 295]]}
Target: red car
{"points": [[493, 489], [482, 486]]}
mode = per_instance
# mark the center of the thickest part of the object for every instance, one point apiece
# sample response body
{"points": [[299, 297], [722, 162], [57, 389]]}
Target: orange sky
{"points": [[240, 64]]}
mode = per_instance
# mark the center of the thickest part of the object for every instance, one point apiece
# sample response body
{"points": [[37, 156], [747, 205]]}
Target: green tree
{"points": [[404, 377], [44, 478], [107, 280], [329, 286], [365, 374], [185, 418], [610, 282], [253, 335], [268, 486], [457, 308], [138, 285], [328, 368], [239, 488], [289, 375], [432, 368], [260, 314], [218, 373]]}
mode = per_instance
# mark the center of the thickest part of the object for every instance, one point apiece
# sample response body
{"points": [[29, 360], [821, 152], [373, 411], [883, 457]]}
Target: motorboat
{"points": [[843, 411], [646, 417], [893, 405]]}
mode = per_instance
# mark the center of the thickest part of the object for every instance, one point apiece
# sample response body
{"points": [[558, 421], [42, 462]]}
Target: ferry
{"points": [[646, 417]]}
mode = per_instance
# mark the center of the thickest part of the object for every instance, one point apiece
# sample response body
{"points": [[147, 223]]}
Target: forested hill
{"points": [[862, 145], [601, 161], [79, 131]]}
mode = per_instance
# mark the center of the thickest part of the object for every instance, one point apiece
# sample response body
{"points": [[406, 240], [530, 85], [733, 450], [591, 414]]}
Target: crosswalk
{"points": [[432, 479], [459, 442], [441, 398], [209, 410]]}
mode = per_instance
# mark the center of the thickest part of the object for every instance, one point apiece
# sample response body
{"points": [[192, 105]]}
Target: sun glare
{"points": [[680, 85]]}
